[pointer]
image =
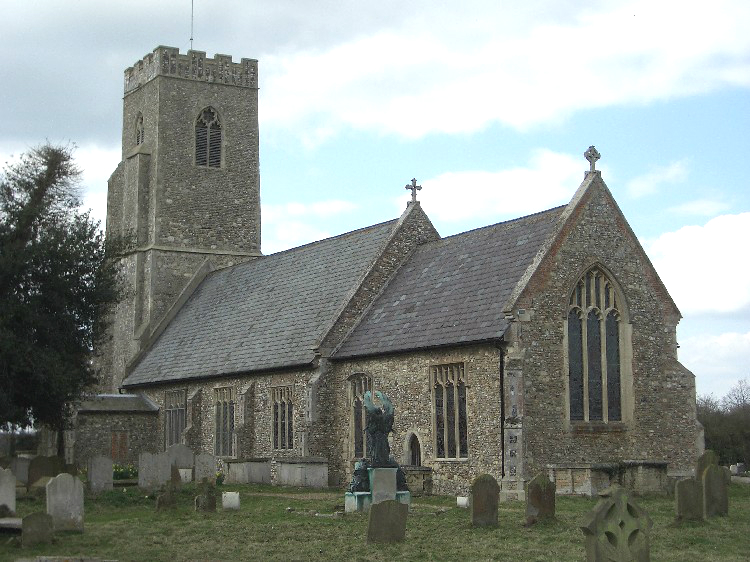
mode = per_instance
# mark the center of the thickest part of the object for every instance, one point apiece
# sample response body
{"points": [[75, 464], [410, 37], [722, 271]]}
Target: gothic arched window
{"points": [[208, 139], [358, 385], [449, 401], [594, 349], [140, 131]]}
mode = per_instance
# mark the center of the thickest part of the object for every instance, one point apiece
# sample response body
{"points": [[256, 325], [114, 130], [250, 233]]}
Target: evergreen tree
{"points": [[57, 280]]}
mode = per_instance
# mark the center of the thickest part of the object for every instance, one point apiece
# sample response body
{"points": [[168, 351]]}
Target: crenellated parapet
{"points": [[167, 61]]}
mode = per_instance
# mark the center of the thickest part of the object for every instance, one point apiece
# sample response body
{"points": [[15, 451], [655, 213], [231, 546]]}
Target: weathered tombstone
{"points": [[205, 467], [688, 501], [175, 478], [540, 499], [206, 498], [99, 474], [7, 491], [65, 502], [708, 458], [733, 469], [463, 502], [387, 522], [37, 528], [20, 467], [382, 484], [44, 466], [153, 470], [230, 500], [617, 529], [715, 499], [180, 456], [167, 499], [484, 498]]}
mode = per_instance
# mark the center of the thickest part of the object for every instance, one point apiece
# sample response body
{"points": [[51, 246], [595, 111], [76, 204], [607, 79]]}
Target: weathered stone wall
{"points": [[659, 421], [94, 434]]}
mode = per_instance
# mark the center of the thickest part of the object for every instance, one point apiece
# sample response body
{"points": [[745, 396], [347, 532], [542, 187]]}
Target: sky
{"points": [[488, 104]]}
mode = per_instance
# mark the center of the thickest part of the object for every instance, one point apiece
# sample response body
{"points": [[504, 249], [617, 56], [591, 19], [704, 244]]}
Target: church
{"points": [[541, 344]]}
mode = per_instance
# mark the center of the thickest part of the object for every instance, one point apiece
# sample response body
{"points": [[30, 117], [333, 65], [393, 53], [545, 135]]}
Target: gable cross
{"points": [[414, 188], [592, 155]]}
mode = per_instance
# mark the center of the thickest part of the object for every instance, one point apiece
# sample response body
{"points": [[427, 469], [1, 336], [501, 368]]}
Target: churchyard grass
{"points": [[124, 525]]}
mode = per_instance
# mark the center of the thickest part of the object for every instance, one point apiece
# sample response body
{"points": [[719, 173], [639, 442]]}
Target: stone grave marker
{"points": [[715, 499], [230, 500], [167, 499], [688, 502], [540, 499], [175, 478], [617, 529], [206, 498], [65, 502], [7, 492], [708, 458], [20, 467], [154, 470], [99, 474], [37, 528], [40, 467], [382, 484], [485, 494], [180, 456], [205, 467], [387, 522]]}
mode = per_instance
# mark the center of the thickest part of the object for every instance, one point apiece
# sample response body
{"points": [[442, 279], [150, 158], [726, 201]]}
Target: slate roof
{"points": [[263, 314], [118, 403], [452, 291]]}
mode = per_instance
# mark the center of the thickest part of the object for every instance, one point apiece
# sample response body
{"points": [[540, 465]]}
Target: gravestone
{"points": [[37, 528], [154, 470], [387, 522], [206, 498], [230, 500], [7, 491], [688, 500], [180, 456], [617, 529], [175, 478], [40, 467], [715, 499], [65, 502], [205, 467], [99, 474], [708, 458], [167, 499], [540, 499], [382, 484], [484, 498], [20, 467]]}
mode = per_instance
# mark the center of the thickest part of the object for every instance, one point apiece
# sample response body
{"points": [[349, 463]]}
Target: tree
{"points": [[58, 277], [726, 423]]}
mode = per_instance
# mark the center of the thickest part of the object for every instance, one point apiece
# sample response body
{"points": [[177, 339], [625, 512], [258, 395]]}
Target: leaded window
{"points": [[175, 406], [208, 139], [358, 385], [449, 400], [283, 416], [140, 131], [594, 372], [224, 407]]}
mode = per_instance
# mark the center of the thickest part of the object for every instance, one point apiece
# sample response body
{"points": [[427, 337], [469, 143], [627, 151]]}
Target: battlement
{"points": [[167, 61]]}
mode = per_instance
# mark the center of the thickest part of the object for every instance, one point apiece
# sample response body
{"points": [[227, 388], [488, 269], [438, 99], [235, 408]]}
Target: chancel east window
{"points": [[174, 416], [594, 349], [140, 131], [224, 406], [358, 385], [449, 401], [283, 416], [208, 139]]}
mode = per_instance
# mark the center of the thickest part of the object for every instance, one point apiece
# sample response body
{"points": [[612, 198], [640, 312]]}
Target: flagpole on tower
{"points": [[191, 24]]}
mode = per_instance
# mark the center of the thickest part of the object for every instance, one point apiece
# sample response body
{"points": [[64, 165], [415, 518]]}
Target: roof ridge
{"points": [[517, 219]]}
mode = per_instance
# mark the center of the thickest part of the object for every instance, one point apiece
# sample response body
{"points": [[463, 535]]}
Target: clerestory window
{"points": [[358, 385], [208, 133], [449, 400]]}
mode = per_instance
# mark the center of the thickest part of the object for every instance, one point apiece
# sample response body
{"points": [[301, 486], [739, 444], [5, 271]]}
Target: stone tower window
{"points": [[208, 139], [358, 385], [449, 401], [595, 342], [140, 131], [224, 404]]}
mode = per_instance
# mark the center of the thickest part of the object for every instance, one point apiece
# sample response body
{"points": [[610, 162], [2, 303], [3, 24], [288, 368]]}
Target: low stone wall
{"points": [[308, 472]]}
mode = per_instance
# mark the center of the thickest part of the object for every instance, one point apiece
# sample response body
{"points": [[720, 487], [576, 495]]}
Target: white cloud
{"points": [[717, 361], [700, 207], [97, 164], [700, 265], [550, 179], [649, 183]]}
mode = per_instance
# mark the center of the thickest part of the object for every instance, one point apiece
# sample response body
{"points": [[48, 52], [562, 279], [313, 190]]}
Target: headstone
{"points": [[44, 466], [65, 502], [206, 498], [20, 467], [733, 469], [181, 456], [688, 502], [540, 499], [382, 484], [8, 491], [154, 470], [708, 458], [205, 467], [99, 474], [715, 499], [617, 529], [175, 478], [37, 528], [463, 502], [387, 522], [484, 497], [230, 500], [167, 499]]}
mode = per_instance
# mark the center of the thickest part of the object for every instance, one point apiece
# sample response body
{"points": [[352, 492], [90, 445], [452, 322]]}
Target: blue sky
{"points": [[489, 104]]}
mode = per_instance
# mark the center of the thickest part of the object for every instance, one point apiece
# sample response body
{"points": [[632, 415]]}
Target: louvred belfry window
{"points": [[140, 131], [594, 375], [208, 139]]}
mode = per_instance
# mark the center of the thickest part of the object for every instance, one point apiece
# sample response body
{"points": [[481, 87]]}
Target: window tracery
{"points": [[449, 401]]}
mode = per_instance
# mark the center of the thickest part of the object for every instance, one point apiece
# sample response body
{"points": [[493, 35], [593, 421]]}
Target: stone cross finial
{"points": [[592, 155], [414, 188]]}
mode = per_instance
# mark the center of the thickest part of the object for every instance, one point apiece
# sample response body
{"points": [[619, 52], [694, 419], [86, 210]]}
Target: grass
{"points": [[124, 525]]}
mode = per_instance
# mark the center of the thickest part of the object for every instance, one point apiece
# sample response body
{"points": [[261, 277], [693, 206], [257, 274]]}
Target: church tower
{"points": [[187, 189]]}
